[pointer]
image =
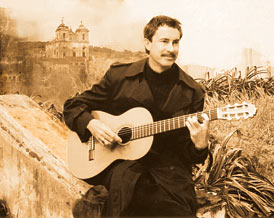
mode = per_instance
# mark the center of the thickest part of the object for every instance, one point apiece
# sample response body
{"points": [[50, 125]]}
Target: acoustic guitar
{"points": [[136, 128]]}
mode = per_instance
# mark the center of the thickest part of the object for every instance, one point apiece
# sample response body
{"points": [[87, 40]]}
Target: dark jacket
{"points": [[124, 87]]}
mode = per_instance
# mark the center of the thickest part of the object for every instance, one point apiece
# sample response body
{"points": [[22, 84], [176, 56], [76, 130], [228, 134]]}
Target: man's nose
{"points": [[170, 46]]}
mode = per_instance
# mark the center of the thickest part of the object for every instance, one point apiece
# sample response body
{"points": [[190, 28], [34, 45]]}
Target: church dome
{"points": [[81, 28], [62, 26]]}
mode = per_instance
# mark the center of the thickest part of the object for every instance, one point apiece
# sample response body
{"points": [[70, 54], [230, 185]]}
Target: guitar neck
{"points": [[169, 124]]}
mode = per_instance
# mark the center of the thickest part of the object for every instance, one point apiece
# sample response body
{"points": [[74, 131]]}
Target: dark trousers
{"points": [[150, 199]]}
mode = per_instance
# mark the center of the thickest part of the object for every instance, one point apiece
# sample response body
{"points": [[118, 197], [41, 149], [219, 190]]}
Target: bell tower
{"points": [[82, 38]]}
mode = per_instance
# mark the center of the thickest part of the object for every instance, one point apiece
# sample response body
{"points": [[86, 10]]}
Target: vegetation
{"points": [[4, 211], [232, 182], [239, 176], [233, 83]]}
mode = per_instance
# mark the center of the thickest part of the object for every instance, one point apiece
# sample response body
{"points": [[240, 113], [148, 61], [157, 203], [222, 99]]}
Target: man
{"points": [[160, 183]]}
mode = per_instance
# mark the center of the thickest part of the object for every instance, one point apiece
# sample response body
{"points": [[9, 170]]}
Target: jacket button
{"points": [[171, 167]]}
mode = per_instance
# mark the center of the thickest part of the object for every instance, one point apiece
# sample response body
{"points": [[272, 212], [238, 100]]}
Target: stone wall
{"points": [[35, 181]]}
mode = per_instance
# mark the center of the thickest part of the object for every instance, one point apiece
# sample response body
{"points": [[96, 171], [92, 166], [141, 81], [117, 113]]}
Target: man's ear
{"points": [[147, 44]]}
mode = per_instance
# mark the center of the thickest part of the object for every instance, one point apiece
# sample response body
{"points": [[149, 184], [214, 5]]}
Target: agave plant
{"points": [[231, 181], [231, 82]]}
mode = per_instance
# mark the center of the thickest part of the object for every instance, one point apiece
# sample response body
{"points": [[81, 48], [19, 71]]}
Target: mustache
{"points": [[173, 55]]}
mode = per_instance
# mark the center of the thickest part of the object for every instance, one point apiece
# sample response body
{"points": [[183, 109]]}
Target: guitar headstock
{"points": [[237, 111]]}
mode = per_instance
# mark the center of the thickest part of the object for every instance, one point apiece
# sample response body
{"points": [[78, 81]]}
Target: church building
{"points": [[68, 43]]}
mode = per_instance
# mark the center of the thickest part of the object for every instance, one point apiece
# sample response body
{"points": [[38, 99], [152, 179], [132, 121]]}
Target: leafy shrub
{"points": [[231, 181]]}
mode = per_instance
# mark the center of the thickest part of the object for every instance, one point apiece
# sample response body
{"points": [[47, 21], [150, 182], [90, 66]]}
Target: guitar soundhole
{"points": [[125, 134]]}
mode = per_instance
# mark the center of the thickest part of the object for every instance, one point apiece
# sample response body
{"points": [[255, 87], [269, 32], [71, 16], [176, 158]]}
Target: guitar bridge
{"points": [[91, 148]]}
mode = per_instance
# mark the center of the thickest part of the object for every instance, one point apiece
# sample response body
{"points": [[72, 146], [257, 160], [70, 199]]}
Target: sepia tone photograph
{"points": [[136, 108]]}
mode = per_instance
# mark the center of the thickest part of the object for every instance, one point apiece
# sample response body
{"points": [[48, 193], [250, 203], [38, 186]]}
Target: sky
{"points": [[215, 32]]}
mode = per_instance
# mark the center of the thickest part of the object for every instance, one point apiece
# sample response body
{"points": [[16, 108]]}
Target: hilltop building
{"points": [[68, 43]]}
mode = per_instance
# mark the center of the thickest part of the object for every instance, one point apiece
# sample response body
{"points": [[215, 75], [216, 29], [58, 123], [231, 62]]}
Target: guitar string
{"points": [[152, 128], [163, 123], [166, 124]]}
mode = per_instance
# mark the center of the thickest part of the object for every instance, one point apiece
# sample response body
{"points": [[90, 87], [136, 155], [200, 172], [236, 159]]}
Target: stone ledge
{"points": [[35, 181]]}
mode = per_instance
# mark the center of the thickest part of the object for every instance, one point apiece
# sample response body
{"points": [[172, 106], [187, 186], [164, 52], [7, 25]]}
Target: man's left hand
{"points": [[199, 131]]}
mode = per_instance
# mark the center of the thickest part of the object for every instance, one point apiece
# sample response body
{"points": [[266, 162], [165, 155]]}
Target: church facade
{"points": [[68, 43]]}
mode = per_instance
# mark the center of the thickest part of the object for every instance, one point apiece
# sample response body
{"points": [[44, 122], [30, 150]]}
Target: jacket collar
{"points": [[138, 67]]}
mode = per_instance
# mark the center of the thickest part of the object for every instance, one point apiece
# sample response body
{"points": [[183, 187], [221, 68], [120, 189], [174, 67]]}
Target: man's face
{"points": [[163, 49]]}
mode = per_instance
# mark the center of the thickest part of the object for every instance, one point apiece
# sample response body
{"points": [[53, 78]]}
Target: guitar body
{"points": [[78, 153]]}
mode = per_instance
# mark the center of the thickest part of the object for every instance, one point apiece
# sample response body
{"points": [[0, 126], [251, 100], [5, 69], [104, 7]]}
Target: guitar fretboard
{"points": [[168, 124]]}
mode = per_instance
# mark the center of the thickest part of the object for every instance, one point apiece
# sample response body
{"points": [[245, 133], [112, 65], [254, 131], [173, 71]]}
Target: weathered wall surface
{"points": [[35, 181]]}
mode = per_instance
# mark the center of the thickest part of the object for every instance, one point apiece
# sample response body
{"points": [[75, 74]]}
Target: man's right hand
{"points": [[103, 133]]}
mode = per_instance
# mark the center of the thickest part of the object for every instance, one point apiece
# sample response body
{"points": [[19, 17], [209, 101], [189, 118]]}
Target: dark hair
{"points": [[158, 21]]}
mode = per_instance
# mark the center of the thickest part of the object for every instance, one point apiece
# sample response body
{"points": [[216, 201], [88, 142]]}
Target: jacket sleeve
{"points": [[191, 154], [77, 110]]}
